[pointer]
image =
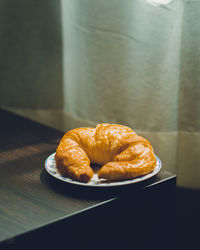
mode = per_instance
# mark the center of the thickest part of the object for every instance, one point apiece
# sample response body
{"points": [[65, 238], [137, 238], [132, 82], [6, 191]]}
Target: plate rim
{"points": [[111, 184]]}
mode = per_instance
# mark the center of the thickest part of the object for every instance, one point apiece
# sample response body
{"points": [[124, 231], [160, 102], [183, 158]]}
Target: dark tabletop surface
{"points": [[29, 197]]}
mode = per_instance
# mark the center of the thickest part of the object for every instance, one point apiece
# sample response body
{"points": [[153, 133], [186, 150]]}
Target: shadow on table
{"points": [[141, 218], [90, 192], [144, 220]]}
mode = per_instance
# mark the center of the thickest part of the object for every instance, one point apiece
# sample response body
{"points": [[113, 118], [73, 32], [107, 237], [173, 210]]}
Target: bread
{"points": [[121, 152]]}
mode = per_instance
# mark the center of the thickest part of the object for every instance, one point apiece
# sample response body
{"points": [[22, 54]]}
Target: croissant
{"points": [[122, 153]]}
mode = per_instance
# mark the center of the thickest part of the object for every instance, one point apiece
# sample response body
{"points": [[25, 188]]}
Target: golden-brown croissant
{"points": [[121, 152]]}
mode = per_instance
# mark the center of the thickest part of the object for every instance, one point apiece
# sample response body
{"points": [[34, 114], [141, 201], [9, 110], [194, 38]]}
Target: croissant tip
{"points": [[84, 178]]}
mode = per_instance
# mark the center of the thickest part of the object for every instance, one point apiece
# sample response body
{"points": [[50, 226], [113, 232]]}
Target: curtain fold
{"points": [[125, 62], [124, 58]]}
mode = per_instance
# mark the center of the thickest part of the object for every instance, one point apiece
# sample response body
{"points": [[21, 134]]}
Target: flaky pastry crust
{"points": [[122, 153]]}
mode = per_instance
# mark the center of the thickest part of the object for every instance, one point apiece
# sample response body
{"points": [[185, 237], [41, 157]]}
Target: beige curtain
{"points": [[128, 62]]}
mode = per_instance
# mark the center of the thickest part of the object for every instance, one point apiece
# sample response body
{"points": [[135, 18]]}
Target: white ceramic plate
{"points": [[50, 166]]}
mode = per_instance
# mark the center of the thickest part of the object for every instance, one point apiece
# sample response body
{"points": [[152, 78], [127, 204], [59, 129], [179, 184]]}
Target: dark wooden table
{"points": [[38, 210]]}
